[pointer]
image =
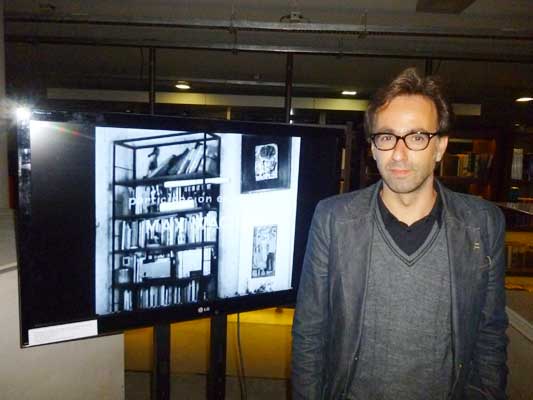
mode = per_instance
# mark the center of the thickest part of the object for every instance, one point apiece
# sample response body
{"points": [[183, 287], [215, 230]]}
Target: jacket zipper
{"points": [[457, 375], [456, 371], [355, 358]]}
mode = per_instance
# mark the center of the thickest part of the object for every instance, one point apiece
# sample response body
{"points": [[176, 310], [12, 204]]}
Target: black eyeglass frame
{"points": [[430, 135]]}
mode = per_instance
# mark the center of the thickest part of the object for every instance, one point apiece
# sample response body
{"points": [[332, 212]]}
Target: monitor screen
{"points": [[131, 220]]}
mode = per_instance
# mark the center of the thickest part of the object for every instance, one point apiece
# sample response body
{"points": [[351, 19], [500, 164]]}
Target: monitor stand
{"points": [[160, 383], [216, 377]]}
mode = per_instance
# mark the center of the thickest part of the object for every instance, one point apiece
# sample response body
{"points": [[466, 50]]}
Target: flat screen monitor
{"points": [[126, 221]]}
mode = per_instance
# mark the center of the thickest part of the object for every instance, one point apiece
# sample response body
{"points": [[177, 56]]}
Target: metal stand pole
{"points": [[288, 87], [160, 384], [216, 378], [151, 71], [428, 66]]}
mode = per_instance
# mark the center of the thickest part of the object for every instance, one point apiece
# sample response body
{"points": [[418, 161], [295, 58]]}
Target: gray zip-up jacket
{"points": [[329, 311]]}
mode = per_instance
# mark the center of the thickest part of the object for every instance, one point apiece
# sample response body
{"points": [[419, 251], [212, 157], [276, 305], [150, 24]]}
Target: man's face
{"points": [[404, 170]]}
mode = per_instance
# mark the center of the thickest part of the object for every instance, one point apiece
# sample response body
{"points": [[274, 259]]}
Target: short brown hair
{"points": [[409, 82]]}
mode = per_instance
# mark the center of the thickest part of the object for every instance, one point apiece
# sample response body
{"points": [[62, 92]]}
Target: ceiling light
{"points": [[182, 85], [524, 99], [349, 92]]}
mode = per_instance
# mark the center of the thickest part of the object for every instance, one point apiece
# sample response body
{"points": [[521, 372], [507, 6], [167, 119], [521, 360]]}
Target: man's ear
{"points": [[373, 149], [441, 147]]}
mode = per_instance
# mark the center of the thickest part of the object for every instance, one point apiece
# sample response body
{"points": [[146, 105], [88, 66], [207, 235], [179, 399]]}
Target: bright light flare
{"points": [[23, 114]]}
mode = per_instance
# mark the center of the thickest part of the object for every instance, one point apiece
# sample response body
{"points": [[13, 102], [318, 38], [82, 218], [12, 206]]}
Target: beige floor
{"points": [[519, 283], [192, 387]]}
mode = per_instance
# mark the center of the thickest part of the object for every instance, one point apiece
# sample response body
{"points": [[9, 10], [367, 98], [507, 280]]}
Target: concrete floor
{"points": [[192, 387]]}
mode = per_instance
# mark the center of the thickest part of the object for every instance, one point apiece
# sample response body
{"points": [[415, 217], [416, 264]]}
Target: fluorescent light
{"points": [[349, 92], [524, 99], [183, 85]]}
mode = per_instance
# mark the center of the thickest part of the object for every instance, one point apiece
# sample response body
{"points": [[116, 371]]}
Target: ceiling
{"points": [[222, 46]]}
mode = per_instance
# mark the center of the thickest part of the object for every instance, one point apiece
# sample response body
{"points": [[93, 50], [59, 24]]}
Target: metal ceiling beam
{"points": [[526, 58], [443, 6], [285, 27]]}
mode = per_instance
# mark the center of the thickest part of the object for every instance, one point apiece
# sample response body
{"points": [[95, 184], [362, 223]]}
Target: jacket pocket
{"points": [[474, 393], [485, 265]]}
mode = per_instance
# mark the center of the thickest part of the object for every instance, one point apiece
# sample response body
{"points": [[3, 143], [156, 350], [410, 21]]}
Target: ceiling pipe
{"points": [[382, 53], [285, 27]]}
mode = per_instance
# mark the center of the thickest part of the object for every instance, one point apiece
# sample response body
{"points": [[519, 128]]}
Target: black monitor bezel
{"points": [[309, 190]]}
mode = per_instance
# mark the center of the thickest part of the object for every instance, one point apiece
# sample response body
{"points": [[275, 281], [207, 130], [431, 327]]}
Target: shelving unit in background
{"points": [[472, 163], [518, 183], [518, 238]]}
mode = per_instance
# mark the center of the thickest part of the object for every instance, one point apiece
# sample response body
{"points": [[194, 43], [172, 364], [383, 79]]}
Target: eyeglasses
{"points": [[416, 141]]}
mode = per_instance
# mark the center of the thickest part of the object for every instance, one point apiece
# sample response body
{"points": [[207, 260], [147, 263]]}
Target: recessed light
{"points": [[182, 85], [524, 99], [349, 92]]}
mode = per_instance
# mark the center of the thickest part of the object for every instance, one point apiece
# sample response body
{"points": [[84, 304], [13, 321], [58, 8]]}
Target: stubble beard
{"points": [[410, 184]]}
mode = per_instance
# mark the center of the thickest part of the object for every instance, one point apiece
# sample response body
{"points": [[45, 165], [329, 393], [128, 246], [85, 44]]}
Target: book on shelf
{"points": [[528, 167], [187, 162], [517, 164], [198, 154], [464, 165], [474, 165], [449, 165], [168, 231], [165, 295], [170, 166]]}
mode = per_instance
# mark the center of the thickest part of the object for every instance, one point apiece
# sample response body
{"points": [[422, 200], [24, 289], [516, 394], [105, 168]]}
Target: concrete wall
{"points": [[86, 369], [3, 132], [520, 366]]}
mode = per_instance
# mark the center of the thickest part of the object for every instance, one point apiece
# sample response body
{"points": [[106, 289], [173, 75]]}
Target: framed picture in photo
{"points": [[266, 163], [264, 251]]}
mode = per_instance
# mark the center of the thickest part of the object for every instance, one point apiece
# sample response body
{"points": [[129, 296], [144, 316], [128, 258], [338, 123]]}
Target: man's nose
{"points": [[400, 151]]}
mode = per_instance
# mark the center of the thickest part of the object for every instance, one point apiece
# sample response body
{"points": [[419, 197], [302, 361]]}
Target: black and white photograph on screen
{"points": [[241, 212], [173, 226], [157, 201], [266, 163], [264, 255]]}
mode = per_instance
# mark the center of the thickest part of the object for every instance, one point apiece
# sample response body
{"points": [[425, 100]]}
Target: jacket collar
{"points": [[453, 207]]}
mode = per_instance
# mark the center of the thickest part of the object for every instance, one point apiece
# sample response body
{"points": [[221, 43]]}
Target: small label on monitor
{"points": [[60, 333]]}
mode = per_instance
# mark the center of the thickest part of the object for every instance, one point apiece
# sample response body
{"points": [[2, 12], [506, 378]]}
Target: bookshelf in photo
{"points": [[165, 220]]}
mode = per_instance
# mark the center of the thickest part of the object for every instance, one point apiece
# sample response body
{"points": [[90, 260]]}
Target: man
{"points": [[402, 293]]}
